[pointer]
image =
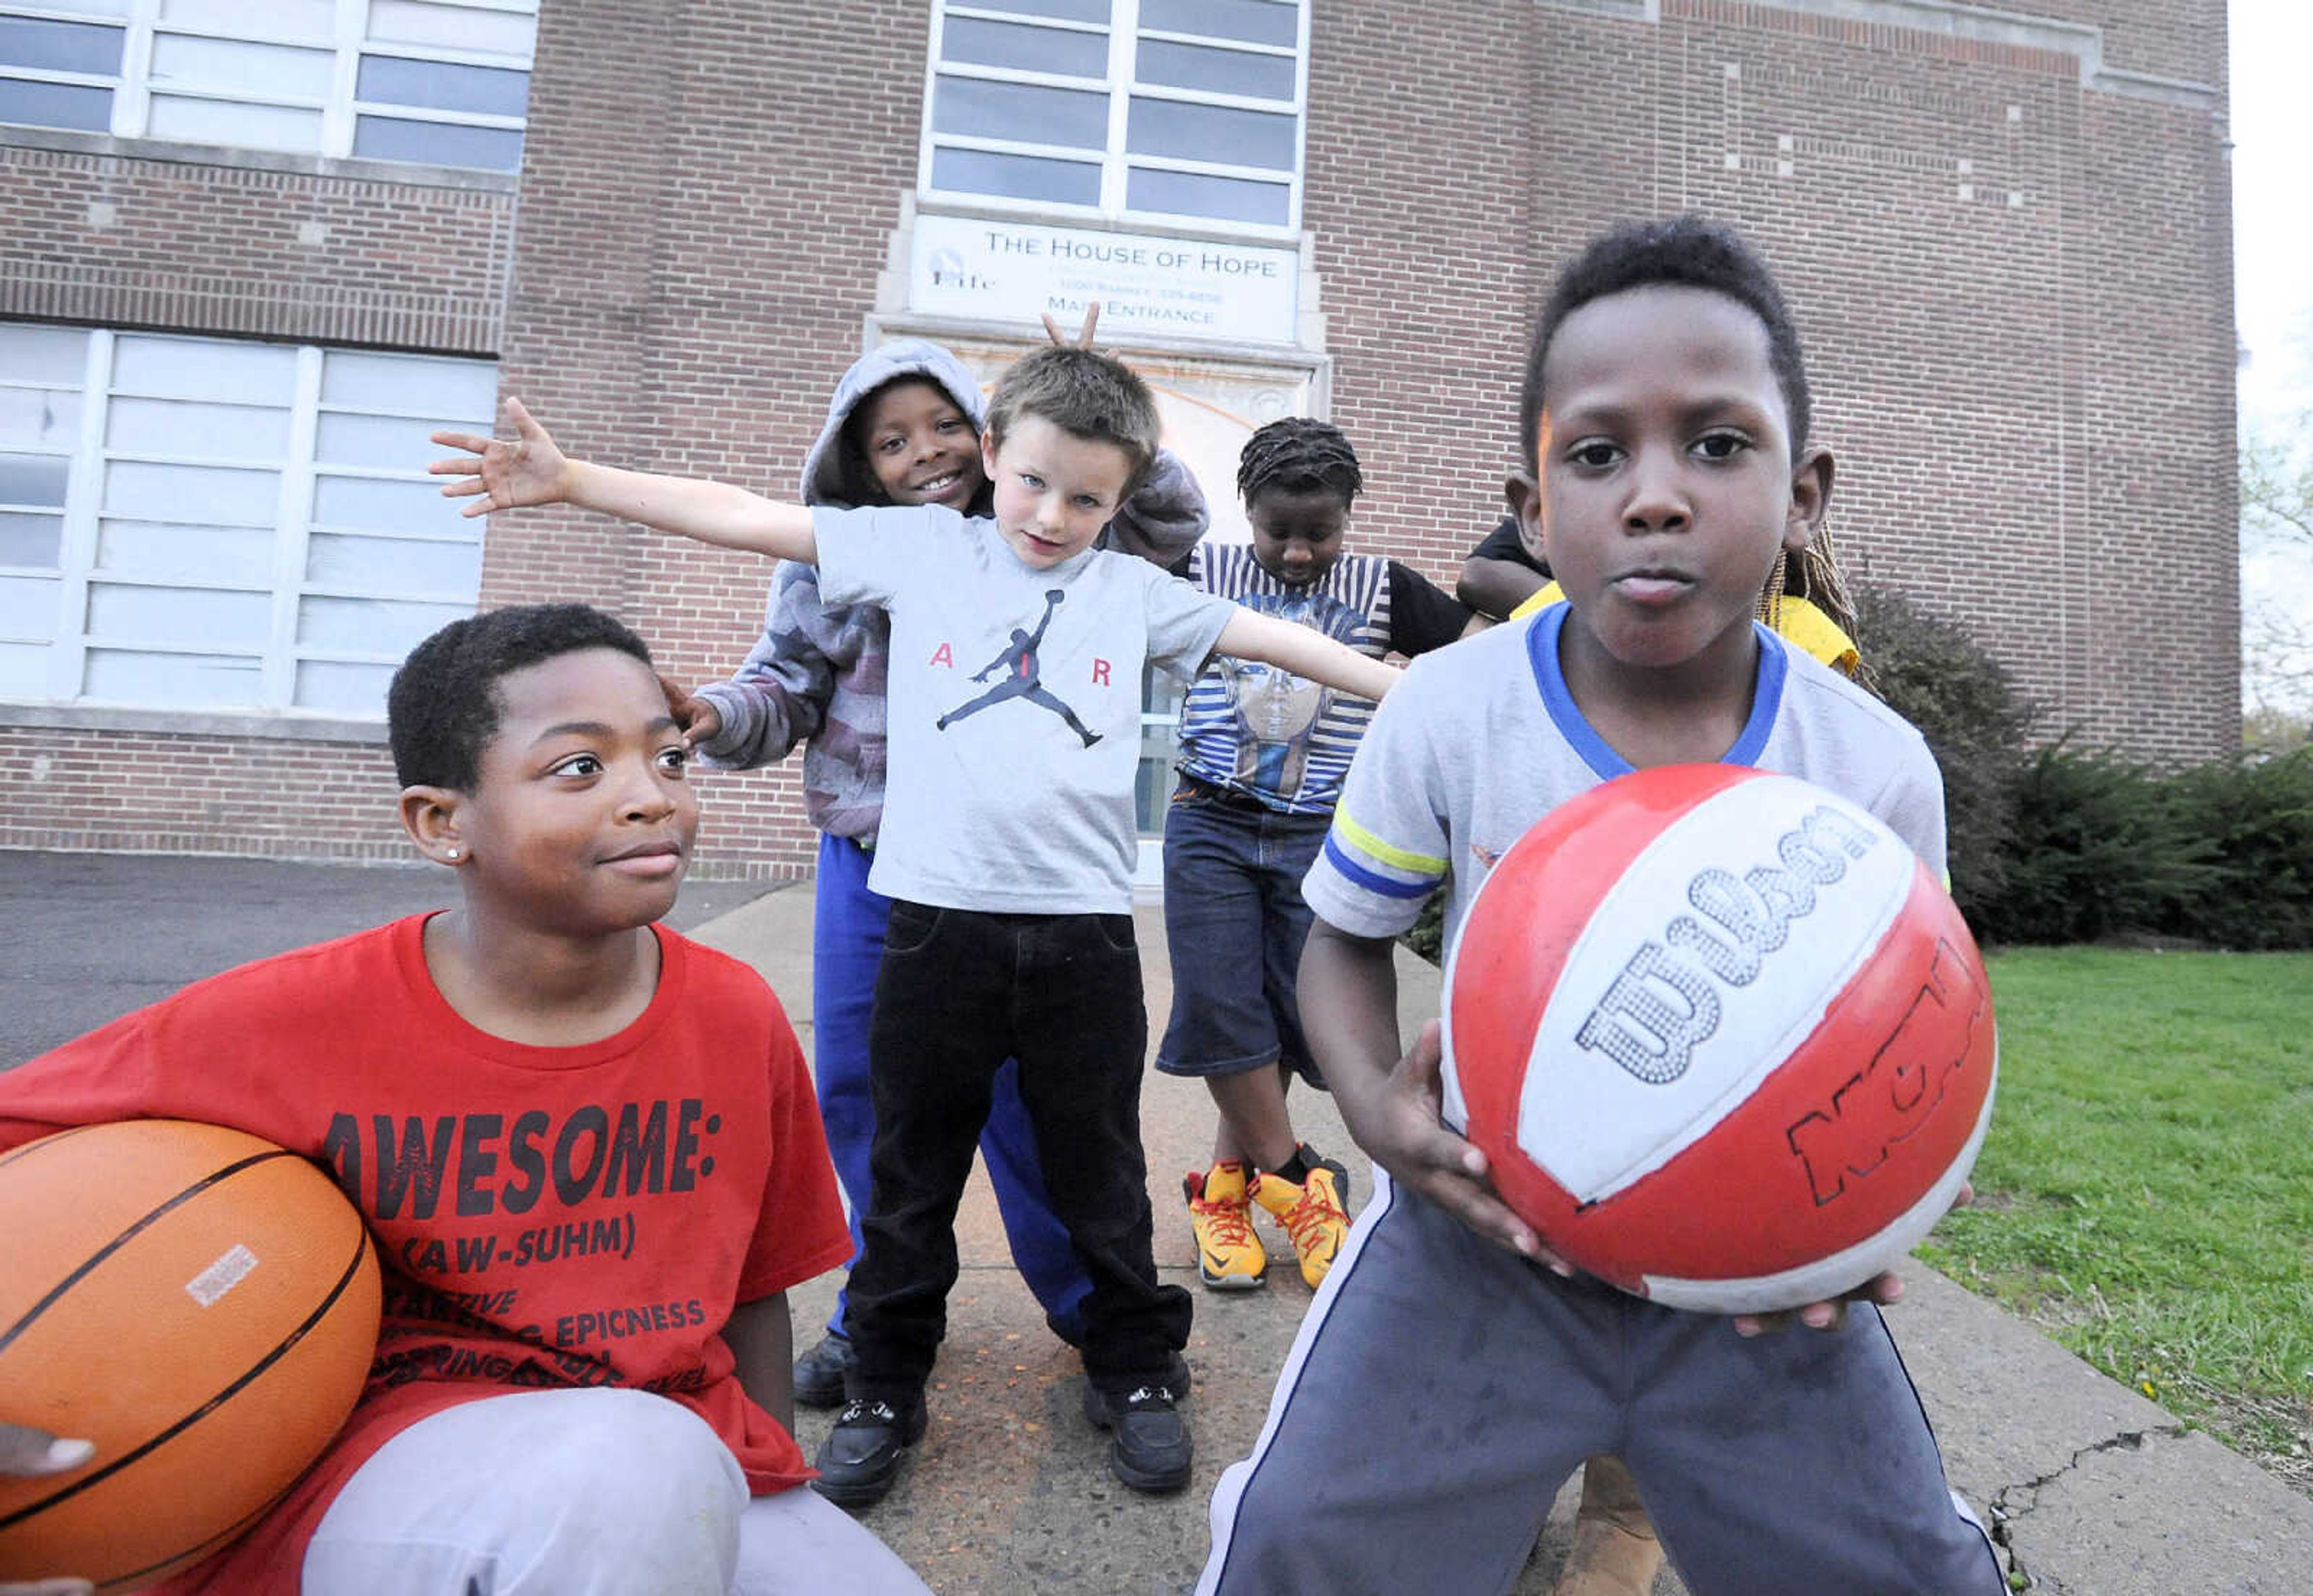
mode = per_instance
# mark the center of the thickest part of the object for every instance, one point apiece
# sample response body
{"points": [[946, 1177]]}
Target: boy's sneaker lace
{"points": [[861, 1456], [1229, 1256], [1152, 1450], [1311, 1214]]}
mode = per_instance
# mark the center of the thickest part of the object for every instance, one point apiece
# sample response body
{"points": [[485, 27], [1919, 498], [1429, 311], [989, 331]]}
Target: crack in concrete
{"points": [[2011, 1503]]}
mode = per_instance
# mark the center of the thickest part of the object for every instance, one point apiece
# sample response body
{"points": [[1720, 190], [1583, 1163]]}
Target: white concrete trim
{"points": [[256, 725], [1628, 11], [351, 168]]}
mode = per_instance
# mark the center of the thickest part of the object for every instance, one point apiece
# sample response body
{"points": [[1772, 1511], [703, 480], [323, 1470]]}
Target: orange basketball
{"points": [[199, 1303]]}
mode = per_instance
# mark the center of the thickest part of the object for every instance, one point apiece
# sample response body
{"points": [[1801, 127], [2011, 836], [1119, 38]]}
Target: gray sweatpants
{"points": [[601, 1492], [1442, 1388]]}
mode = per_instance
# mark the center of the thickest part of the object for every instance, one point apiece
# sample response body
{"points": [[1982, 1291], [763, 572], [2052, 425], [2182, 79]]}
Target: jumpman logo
{"points": [[1021, 678]]}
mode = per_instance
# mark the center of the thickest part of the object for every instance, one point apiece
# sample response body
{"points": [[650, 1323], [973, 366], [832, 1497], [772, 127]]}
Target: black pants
{"points": [[959, 992]]}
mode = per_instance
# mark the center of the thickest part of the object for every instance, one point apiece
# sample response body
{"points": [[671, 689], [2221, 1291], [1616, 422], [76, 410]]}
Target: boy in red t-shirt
{"points": [[586, 1146]]}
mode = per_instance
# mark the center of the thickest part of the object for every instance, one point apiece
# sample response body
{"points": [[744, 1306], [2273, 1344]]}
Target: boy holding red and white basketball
{"points": [[1453, 1372], [586, 1146]]}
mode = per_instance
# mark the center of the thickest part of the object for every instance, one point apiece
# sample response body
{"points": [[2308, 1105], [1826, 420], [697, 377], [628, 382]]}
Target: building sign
{"points": [[1154, 287]]}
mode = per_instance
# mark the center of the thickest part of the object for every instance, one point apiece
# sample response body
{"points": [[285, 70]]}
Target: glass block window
{"points": [[444, 83], [211, 524], [1174, 110]]}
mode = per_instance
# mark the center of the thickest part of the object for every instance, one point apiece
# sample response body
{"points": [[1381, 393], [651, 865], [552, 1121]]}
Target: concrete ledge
{"points": [[268, 727], [348, 168], [2095, 1491]]}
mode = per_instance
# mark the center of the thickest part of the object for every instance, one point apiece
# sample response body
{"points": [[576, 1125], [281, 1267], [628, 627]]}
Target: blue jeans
{"points": [[846, 949], [1234, 924]]}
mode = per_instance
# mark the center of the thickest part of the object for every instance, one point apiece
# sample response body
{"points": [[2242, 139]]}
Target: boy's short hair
{"points": [[443, 708], [1681, 252], [1300, 454], [1085, 394]]}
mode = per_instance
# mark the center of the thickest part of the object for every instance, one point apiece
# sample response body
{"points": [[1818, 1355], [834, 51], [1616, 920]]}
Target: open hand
{"points": [[505, 474], [1400, 1127], [28, 1454]]}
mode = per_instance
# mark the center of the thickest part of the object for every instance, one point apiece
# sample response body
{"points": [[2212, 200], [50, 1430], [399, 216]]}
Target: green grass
{"points": [[2146, 1191]]}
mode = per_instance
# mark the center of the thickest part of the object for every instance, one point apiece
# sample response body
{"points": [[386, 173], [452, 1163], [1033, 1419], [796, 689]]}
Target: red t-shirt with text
{"points": [[547, 1217]]}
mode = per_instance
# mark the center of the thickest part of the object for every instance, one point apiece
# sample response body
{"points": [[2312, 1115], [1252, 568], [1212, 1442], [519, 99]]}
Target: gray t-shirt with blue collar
{"points": [[1480, 741]]}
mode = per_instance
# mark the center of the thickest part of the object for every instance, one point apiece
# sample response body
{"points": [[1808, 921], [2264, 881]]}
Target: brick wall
{"points": [[2014, 295], [2015, 291], [156, 792], [711, 193], [125, 233], [136, 234]]}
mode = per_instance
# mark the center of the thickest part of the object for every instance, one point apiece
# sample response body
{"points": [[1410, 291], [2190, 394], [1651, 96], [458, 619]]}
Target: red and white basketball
{"points": [[1723, 1038]]}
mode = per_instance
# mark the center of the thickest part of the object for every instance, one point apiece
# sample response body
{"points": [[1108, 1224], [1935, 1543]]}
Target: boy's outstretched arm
{"points": [[1252, 635], [1349, 1014], [506, 474]]}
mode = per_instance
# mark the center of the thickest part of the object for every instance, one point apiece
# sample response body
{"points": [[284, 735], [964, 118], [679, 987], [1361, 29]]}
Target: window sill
{"points": [[263, 725], [349, 167]]}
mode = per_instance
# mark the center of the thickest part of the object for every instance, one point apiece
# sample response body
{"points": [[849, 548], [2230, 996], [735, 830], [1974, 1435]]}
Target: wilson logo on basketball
{"points": [[1665, 1004]]}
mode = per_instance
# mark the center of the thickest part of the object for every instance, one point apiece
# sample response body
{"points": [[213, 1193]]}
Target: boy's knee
{"points": [[573, 1493], [649, 1454], [642, 1495]]}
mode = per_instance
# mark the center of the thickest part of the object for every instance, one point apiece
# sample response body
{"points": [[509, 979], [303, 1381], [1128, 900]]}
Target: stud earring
{"points": [[452, 853]]}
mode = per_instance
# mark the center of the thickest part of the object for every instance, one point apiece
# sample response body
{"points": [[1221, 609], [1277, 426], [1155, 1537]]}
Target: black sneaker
{"points": [[861, 1456], [819, 1372], [1152, 1450]]}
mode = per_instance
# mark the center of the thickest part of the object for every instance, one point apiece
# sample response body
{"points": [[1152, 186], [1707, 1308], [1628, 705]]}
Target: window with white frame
{"points": [[1182, 109], [204, 524], [444, 83]]}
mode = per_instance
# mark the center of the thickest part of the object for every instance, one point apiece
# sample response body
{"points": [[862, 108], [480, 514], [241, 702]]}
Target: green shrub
{"points": [[2067, 844], [2257, 818], [1427, 935], [2097, 849], [1977, 723]]}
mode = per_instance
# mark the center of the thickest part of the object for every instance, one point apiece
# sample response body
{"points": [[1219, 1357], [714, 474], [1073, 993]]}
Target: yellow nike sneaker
{"points": [[1229, 1257], [1311, 1214]]}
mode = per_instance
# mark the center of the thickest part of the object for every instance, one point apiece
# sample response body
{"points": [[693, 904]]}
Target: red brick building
{"points": [[244, 265]]}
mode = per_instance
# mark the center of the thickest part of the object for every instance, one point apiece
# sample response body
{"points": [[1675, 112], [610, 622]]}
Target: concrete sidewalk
{"points": [[2091, 1489], [2095, 1491]]}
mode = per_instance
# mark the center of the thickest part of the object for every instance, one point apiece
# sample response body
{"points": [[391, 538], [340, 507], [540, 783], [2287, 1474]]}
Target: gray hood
{"points": [[824, 477]]}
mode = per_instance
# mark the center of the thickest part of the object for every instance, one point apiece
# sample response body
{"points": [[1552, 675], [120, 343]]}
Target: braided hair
{"points": [[1300, 454]]}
